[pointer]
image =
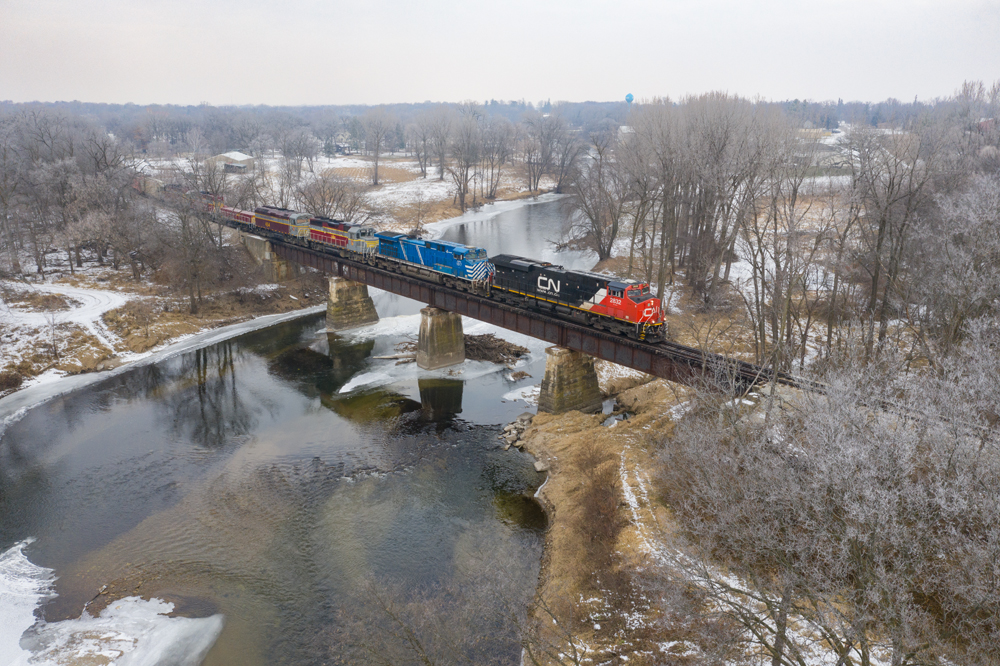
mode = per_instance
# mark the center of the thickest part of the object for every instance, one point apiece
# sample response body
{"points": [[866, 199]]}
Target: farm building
{"points": [[234, 158]]}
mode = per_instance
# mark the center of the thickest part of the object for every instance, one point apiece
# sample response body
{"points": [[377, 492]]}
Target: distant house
{"points": [[233, 159]]}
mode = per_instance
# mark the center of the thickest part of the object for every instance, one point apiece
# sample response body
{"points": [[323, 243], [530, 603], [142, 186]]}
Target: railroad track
{"points": [[669, 360]]}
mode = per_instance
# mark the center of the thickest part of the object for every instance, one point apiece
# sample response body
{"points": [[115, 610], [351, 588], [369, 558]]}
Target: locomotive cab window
{"points": [[639, 294], [617, 293]]}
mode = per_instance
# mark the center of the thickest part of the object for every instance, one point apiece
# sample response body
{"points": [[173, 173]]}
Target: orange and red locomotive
{"points": [[622, 306]]}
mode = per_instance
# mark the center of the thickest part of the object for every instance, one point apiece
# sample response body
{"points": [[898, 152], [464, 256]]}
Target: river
{"points": [[282, 497]]}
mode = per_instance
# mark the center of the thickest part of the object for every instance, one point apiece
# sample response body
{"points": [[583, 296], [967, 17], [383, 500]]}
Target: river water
{"points": [[282, 497]]}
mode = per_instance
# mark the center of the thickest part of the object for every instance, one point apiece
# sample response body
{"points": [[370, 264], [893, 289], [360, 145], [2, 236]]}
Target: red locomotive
{"points": [[622, 306]]}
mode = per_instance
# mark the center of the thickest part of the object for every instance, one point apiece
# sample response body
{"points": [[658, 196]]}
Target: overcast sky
{"points": [[372, 52]]}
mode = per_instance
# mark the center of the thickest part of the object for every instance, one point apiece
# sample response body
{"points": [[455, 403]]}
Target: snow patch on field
{"points": [[92, 304], [608, 371], [409, 193]]}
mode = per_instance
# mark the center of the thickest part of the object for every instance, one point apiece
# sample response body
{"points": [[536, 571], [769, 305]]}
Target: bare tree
{"points": [[837, 520], [892, 174], [197, 147], [331, 196], [420, 140], [10, 167], [247, 133], [498, 136], [300, 145], [378, 124], [538, 145], [958, 261], [440, 122], [466, 148], [599, 199], [566, 152], [189, 257]]}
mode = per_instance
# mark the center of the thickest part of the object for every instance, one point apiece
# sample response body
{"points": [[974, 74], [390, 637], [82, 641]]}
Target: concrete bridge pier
{"points": [[275, 269], [570, 383], [441, 342], [348, 305]]}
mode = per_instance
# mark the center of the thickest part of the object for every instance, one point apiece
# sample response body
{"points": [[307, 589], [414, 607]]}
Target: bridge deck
{"points": [[666, 360]]}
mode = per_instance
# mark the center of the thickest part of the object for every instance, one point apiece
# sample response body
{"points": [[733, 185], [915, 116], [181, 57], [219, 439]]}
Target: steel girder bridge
{"points": [[667, 360]]}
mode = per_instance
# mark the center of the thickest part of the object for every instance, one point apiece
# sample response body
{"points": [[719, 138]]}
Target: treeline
{"points": [[835, 531], [163, 130], [475, 152], [859, 525], [871, 236], [825, 234], [67, 194]]}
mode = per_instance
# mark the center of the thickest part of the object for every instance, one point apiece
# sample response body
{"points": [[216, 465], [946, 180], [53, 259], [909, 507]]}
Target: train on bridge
{"points": [[623, 307]]}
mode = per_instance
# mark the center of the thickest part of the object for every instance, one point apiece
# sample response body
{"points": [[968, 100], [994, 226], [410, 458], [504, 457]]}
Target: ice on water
{"points": [[129, 632]]}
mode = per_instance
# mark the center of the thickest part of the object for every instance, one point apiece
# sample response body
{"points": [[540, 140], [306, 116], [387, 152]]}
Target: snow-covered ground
{"points": [[426, 190], [87, 307]]}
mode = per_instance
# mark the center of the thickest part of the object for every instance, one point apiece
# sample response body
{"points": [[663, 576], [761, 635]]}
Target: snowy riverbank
{"points": [[53, 383]]}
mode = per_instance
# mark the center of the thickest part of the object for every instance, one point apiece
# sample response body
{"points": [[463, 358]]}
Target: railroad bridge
{"points": [[570, 382]]}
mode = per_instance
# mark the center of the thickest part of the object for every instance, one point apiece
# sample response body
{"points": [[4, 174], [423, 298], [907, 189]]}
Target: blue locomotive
{"points": [[441, 261]]}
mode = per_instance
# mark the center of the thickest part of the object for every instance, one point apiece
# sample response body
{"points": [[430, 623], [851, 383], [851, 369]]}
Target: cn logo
{"points": [[548, 284]]}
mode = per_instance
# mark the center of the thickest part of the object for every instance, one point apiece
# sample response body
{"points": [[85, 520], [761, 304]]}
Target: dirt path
{"points": [[86, 309]]}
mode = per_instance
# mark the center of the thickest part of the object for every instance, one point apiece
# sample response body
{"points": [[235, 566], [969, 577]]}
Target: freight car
{"points": [[243, 217], [625, 307]]}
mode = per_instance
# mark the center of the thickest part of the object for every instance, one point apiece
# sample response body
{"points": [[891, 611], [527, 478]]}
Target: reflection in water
{"points": [[530, 231], [238, 480], [209, 410], [347, 359], [370, 406], [440, 399]]}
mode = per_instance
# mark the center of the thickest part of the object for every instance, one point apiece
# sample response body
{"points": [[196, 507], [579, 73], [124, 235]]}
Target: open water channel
{"points": [[278, 497]]}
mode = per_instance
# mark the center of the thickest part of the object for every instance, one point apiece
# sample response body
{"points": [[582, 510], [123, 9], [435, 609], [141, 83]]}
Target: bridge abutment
{"points": [[348, 305], [570, 383], [275, 269], [442, 341]]}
